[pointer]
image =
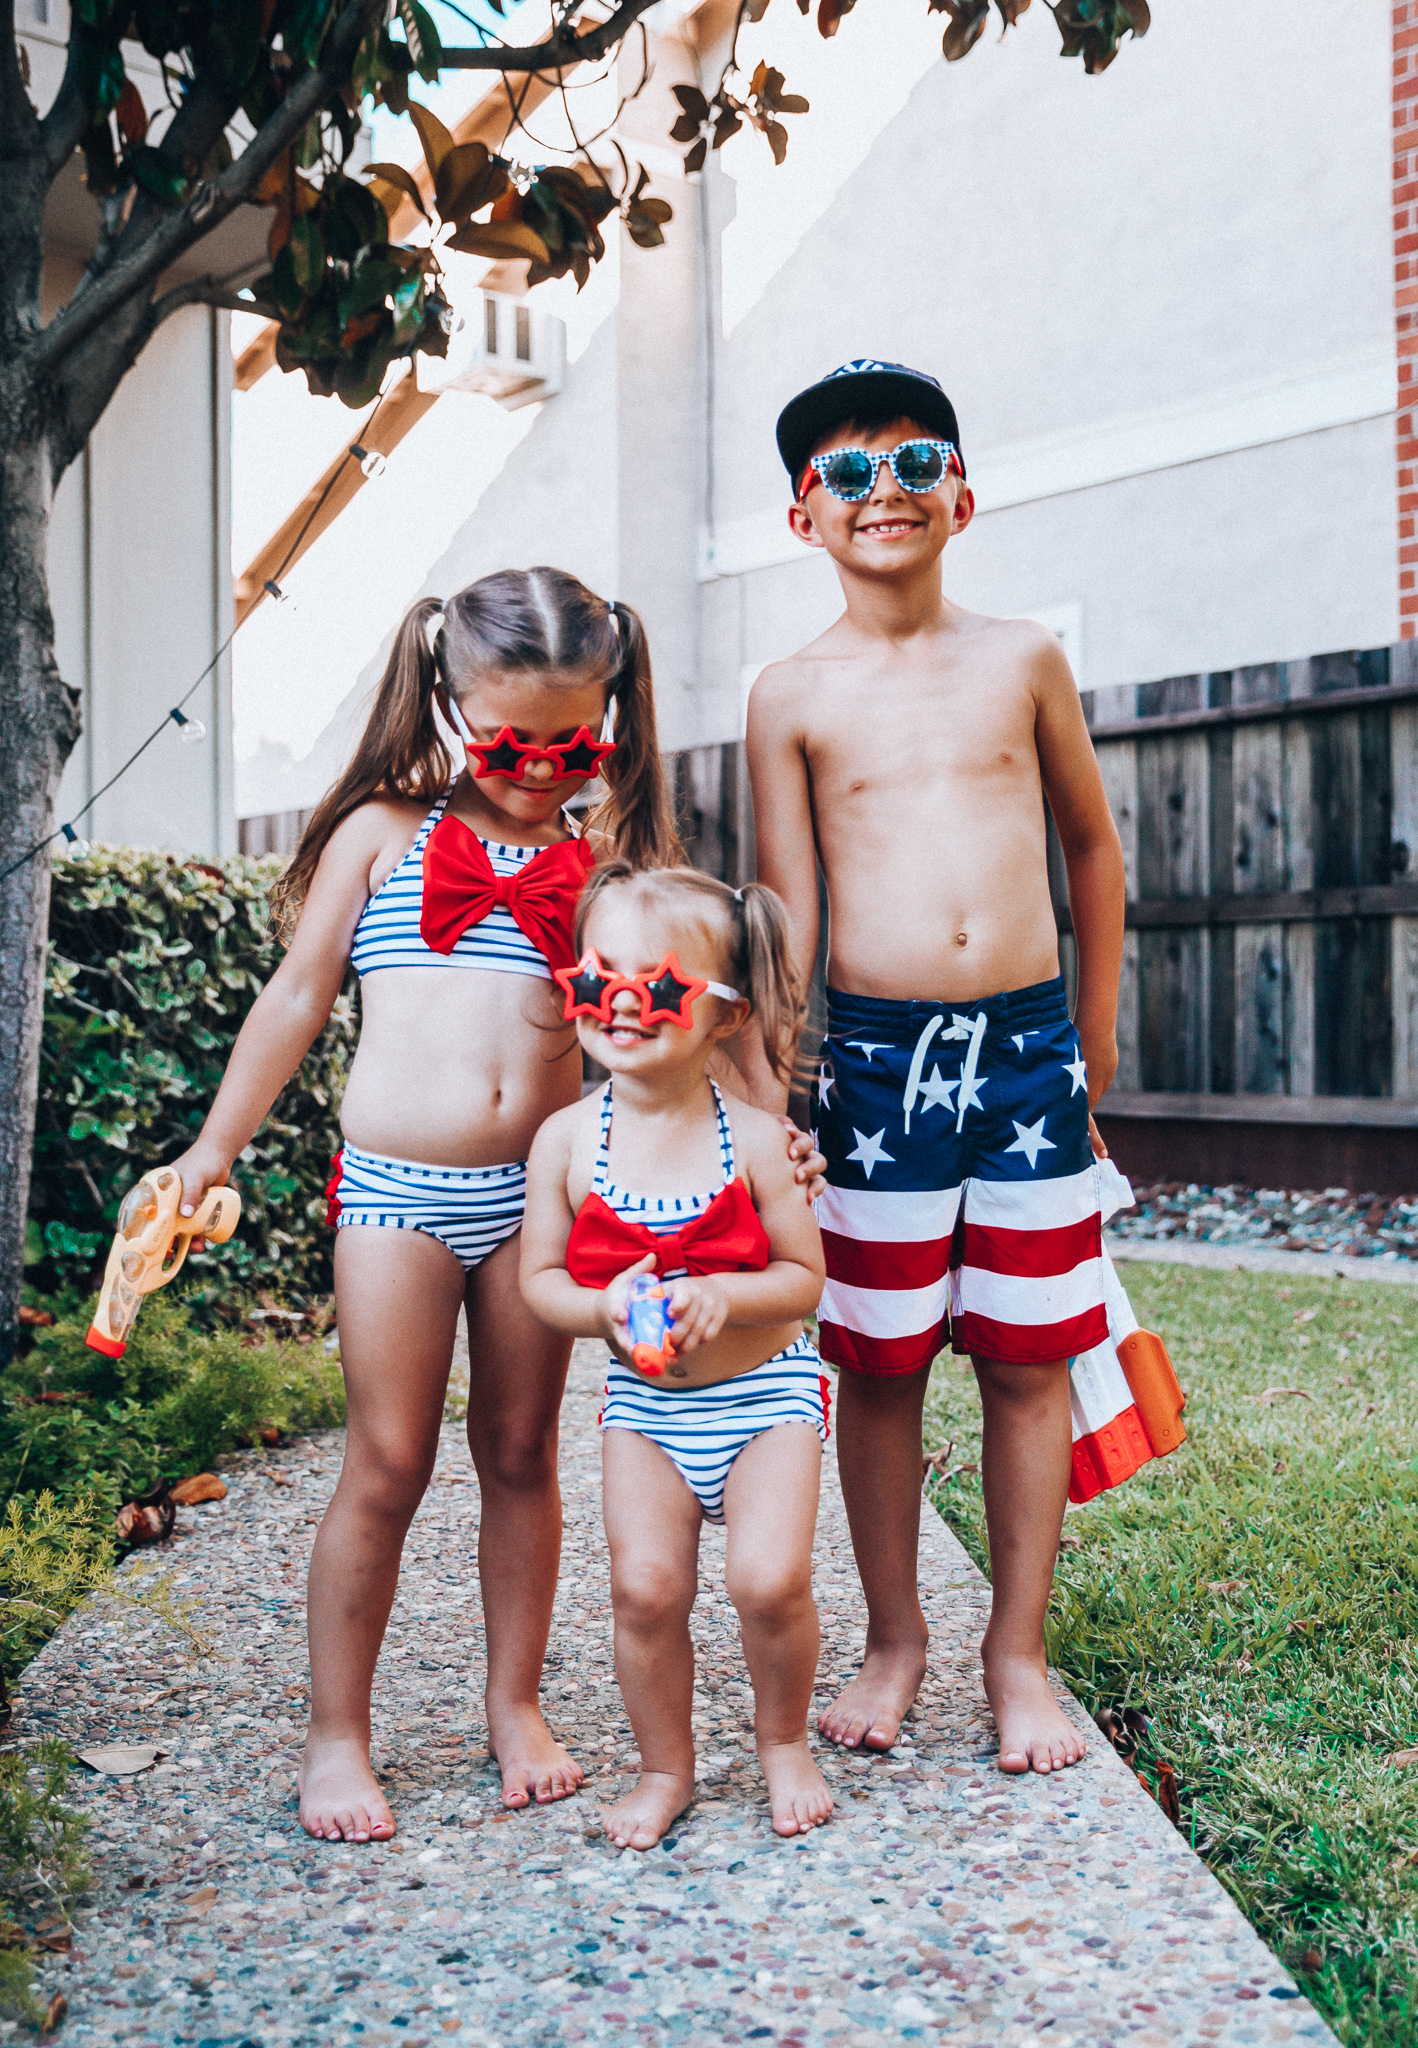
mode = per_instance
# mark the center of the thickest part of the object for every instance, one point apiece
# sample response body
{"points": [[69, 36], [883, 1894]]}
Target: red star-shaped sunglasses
{"points": [[510, 757], [667, 994]]}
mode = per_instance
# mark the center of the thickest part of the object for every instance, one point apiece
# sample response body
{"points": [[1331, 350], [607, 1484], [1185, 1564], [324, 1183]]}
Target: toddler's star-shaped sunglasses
{"points": [[510, 757], [850, 473], [667, 994]]}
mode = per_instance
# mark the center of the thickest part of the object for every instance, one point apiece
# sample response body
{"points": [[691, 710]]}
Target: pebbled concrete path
{"points": [[942, 1903]]}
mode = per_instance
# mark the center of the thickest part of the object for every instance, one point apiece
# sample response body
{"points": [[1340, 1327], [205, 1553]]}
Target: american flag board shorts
{"points": [[962, 1191]]}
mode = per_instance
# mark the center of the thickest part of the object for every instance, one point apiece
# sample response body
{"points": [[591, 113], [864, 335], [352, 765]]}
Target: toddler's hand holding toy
{"points": [[700, 1307], [615, 1302]]}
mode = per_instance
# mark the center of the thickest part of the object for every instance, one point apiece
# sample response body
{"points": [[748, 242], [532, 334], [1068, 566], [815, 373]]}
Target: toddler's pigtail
{"points": [[400, 753], [772, 987], [637, 816]]}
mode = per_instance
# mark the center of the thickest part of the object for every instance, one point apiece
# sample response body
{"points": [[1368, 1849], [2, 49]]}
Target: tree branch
{"points": [[63, 126], [210, 291], [558, 52], [211, 202]]}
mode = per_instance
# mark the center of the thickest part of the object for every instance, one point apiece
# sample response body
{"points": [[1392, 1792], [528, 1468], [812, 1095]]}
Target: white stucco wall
{"points": [[1125, 280]]}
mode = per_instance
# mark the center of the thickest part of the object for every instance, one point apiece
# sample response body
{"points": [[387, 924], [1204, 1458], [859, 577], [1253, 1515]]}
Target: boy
{"points": [[910, 751]]}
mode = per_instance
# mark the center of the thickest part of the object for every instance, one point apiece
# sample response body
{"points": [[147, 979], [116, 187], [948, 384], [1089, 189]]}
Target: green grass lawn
{"points": [[1256, 1595]]}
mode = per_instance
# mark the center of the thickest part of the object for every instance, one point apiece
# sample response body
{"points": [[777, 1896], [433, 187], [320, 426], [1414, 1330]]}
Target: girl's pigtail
{"points": [[400, 753], [772, 988], [636, 817]]}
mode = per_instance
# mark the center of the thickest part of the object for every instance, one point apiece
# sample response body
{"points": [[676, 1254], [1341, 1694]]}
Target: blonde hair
{"points": [[754, 926], [519, 619]]}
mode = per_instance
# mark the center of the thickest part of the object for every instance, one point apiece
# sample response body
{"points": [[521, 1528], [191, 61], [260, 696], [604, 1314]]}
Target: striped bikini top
{"points": [[717, 1232], [456, 900]]}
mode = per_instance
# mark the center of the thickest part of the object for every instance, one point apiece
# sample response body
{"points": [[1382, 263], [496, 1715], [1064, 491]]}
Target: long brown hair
{"points": [[524, 619], [754, 926]]}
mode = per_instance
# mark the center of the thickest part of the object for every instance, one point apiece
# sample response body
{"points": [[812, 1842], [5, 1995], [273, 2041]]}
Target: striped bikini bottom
{"points": [[701, 1430], [470, 1209]]}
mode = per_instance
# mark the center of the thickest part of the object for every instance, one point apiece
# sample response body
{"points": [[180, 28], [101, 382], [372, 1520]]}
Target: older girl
{"points": [[454, 898]]}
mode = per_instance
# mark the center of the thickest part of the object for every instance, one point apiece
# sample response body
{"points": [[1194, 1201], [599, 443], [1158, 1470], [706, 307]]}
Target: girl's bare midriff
{"points": [[497, 1080]]}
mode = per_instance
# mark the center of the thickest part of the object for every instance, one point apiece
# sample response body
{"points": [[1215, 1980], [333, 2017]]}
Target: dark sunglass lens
{"points": [[919, 466], [847, 472]]}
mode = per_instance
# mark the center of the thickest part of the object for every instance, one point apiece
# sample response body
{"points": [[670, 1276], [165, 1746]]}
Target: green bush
{"points": [[154, 962], [75, 1423]]}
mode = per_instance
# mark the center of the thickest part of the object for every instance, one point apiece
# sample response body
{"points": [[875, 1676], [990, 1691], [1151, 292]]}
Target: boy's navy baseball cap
{"points": [[862, 390]]}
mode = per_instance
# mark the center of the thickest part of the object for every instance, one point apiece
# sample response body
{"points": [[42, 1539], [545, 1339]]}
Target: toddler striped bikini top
{"points": [[711, 1233], [456, 900]]}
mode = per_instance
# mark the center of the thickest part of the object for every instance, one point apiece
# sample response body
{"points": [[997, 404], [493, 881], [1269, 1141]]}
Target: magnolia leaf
{"points": [[408, 308], [468, 178], [728, 123], [274, 188], [756, 83], [793, 103], [754, 10], [695, 159], [156, 175], [643, 231], [507, 239], [422, 39], [1139, 14], [967, 24], [773, 78], [132, 114], [693, 102], [777, 140], [307, 250], [686, 128], [1010, 10], [655, 209], [432, 134], [403, 181], [202, 1486]]}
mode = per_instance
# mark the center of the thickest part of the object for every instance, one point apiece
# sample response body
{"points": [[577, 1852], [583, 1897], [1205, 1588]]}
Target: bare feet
{"points": [[340, 1799], [797, 1789], [869, 1713], [534, 1764], [1034, 1732], [640, 1819]]}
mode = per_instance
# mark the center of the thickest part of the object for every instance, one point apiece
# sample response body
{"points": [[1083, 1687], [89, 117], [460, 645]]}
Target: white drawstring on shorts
{"points": [[971, 1028]]}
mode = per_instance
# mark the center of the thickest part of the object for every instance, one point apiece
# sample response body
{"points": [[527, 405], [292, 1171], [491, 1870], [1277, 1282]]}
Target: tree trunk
{"points": [[39, 723]]}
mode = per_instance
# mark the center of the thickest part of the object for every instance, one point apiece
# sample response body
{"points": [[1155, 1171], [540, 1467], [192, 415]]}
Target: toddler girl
{"points": [[658, 1173], [454, 898]]}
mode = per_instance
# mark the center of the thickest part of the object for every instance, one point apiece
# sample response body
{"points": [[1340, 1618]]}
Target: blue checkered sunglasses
{"points": [[850, 473]]}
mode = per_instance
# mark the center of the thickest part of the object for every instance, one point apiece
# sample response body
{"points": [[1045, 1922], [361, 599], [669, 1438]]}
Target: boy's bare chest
{"points": [[929, 742]]}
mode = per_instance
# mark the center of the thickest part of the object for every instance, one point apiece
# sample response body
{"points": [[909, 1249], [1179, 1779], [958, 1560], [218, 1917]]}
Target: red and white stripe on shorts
{"points": [[1013, 1268]]}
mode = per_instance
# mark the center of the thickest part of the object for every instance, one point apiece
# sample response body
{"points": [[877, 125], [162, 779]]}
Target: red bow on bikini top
{"points": [[460, 890], [727, 1237]]}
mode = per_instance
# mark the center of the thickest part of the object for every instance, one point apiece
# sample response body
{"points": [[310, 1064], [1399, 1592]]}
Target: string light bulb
{"points": [[369, 459], [75, 844], [190, 731]]}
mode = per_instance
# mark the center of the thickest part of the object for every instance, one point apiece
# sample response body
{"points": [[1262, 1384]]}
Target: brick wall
{"points": [[1405, 256]]}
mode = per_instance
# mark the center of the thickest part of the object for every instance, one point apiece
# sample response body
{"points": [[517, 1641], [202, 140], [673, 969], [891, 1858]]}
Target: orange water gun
{"points": [[149, 1246]]}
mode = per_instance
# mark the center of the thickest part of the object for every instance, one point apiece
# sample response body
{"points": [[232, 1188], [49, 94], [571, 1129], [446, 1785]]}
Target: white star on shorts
{"points": [[870, 1151], [1079, 1072], [1031, 1141], [824, 1083], [936, 1093]]}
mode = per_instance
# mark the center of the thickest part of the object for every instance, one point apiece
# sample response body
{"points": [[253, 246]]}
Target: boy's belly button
{"points": [[962, 938]]}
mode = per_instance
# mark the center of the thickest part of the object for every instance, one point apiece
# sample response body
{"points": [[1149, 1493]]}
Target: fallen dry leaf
{"points": [[120, 1759], [1070, 1543], [1310, 1961], [55, 2016], [1165, 1793], [1243, 1663], [1306, 1315], [1401, 1757], [1224, 1585], [58, 1940], [1279, 1394], [35, 1318], [202, 1900], [188, 1493]]}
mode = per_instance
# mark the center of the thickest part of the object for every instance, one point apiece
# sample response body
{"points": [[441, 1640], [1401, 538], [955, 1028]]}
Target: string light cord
{"points": [[355, 452]]}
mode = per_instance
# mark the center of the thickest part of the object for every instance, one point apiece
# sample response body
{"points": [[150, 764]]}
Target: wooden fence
{"points": [[1268, 1015]]}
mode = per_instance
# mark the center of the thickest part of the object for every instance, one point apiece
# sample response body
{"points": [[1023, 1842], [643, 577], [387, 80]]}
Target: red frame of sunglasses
{"points": [[507, 756], [667, 994]]}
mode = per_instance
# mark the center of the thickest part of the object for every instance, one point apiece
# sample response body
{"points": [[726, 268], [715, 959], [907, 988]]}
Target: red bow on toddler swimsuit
{"points": [[460, 890], [727, 1237]]}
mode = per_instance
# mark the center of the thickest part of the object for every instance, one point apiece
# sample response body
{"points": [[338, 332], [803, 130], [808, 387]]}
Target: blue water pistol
{"points": [[648, 1313]]}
